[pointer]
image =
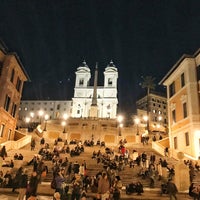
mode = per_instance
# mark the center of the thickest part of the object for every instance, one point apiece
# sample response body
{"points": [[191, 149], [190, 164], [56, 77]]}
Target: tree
{"points": [[148, 84]]}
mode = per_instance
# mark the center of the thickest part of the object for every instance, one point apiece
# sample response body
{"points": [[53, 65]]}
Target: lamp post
{"points": [[46, 117], [137, 121], [120, 125], [41, 113], [32, 122], [27, 120], [64, 125], [65, 117], [145, 118]]}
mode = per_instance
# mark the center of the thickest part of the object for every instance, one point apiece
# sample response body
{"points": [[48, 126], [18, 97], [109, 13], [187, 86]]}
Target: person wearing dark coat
{"points": [[32, 144], [3, 152], [17, 179], [172, 190], [23, 185], [32, 186]]}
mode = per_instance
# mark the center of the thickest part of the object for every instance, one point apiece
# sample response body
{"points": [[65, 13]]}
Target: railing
{"points": [[157, 145], [12, 144]]}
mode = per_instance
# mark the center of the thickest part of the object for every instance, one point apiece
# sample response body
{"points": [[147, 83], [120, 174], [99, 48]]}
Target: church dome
{"points": [[111, 67], [83, 67]]}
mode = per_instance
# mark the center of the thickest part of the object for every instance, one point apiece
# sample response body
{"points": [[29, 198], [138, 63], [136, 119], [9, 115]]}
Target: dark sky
{"points": [[53, 37]]}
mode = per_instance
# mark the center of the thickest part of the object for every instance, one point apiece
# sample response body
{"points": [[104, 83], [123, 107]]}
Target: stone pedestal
{"points": [[181, 178]]}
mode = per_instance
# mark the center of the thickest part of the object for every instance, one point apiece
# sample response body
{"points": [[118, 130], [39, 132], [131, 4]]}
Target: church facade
{"points": [[106, 95]]}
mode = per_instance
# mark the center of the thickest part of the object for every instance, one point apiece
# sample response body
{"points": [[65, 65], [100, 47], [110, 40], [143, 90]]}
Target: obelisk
{"points": [[94, 107]]}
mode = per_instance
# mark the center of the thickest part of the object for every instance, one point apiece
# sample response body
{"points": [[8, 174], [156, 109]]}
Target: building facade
{"points": [[106, 95], [54, 109], [157, 112], [183, 90], [12, 78]]}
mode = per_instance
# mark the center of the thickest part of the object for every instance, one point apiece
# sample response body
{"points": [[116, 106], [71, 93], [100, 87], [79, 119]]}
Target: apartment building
{"points": [[12, 78], [157, 118], [183, 90]]}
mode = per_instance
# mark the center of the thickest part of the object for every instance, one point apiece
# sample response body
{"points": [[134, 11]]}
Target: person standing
{"points": [[172, 190], [104, 187], [3, 152], [42, 142], [32, 144], [23, 182], [32, 186]]}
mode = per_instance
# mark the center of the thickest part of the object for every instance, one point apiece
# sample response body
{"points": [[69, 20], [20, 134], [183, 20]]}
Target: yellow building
{"points": [[183, 90], [12, 77]]}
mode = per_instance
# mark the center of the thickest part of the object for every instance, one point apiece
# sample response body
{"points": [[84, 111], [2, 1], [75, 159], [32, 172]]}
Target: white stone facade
{"points": [[55, 109], [106, 95]]}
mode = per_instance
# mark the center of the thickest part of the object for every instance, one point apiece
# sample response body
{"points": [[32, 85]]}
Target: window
{"points": [[182, 80], [187, 141], [7, 103], [12, 75], [173, 116], [18, 85], [13, 111], [172, 89], [184, 110], [81, 81], [9, 134], [1, 130], [175, 143], [58, 107], [110, 82]]}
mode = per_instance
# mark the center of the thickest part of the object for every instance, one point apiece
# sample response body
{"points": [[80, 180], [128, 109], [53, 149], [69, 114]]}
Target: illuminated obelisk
{"points": [[94, 107]]}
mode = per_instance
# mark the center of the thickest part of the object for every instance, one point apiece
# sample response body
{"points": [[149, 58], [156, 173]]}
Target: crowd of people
{"points": [[74, 176]]}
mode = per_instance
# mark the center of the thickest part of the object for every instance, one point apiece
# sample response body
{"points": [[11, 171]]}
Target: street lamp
{"points": [[65, 117], [41, 113], [145, 118], [64, 125], [32, 115], [137, 121], [46, 117], [27, 120], [120, 125]]}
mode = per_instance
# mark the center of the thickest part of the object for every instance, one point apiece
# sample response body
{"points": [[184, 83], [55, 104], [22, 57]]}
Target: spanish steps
{"points": [[127, 175]]}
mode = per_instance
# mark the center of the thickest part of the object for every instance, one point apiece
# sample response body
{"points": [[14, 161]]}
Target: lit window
{"points": [[25, 108]]}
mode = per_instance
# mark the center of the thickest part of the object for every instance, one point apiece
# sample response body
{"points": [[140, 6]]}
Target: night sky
{"points": [[53, 37]]}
